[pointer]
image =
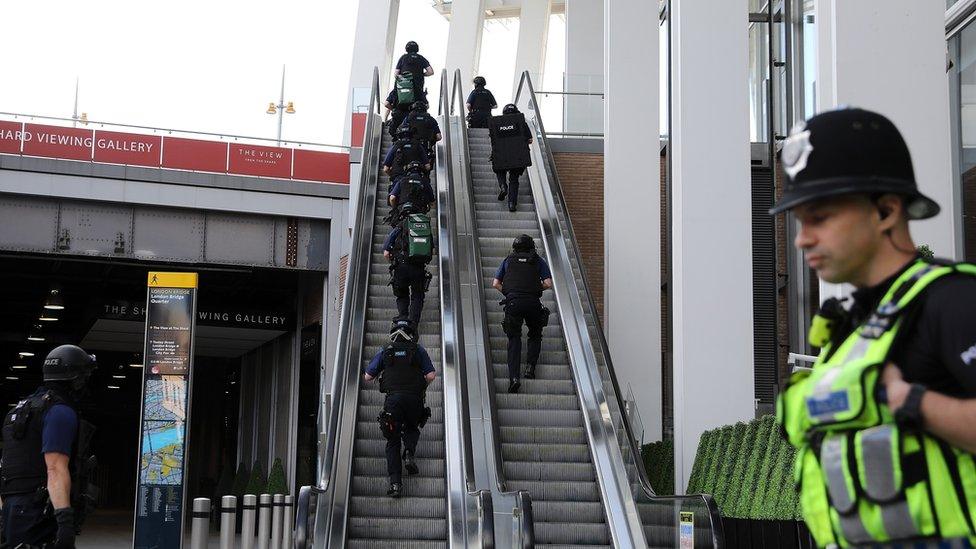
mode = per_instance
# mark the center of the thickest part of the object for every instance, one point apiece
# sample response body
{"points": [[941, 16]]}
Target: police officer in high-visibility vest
{"points": [[522, 277], [885, 421], [405, 371], [46, 467]]}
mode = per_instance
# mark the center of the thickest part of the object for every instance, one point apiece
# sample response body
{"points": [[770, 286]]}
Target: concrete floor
{"points": [[112, 529]]}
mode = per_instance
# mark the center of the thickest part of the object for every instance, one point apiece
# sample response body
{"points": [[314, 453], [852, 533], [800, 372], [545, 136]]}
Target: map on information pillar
{"points": [[163, 428]]}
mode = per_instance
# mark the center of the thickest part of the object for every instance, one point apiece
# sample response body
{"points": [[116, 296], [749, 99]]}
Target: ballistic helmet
{"points": [[412, 47], [510, 109], [523, 243], [69, 363], [479, 81]]}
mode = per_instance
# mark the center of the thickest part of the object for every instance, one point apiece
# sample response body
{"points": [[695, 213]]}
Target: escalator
{"points": [[419, 518], [349, 507], [543, 439]]}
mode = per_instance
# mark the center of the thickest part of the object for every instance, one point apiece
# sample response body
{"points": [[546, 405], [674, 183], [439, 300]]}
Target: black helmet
{"points": [[404, 132], [849, 151], [69, 363], [523, 243], [414, 167], [510, 109], [412, 47], [479, 81], [402, 329], [419, 106]]}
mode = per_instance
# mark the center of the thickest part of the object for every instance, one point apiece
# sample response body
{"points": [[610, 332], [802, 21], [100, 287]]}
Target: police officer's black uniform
{"points": [[523, 291], [415, 64], [405, 149], [482, 102], [27, 515], [408, 279], [403, 381], [510, 137], [424, 126], [398, 112]]}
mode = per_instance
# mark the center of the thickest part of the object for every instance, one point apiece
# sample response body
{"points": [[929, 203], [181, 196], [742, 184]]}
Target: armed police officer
{"points": [[414, 67], [398, 109], [46, 464], [510, 140], [522, 277], [424, 126], [409, 247], [405, 370], [405, 150], [480, 103], [885, 422], [412, 188]]}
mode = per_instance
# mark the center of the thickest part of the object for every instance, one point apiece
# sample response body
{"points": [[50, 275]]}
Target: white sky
{"points": [[214, 65]]}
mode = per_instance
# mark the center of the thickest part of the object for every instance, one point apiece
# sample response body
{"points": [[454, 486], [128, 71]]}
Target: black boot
{"points": [[395, 490], [502, 192], [513, 385], [529, 372], [512, 207], [409, 463]]}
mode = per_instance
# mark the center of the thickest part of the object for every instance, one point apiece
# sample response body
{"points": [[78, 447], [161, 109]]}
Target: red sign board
{"points": [[259, 160], [127, 148], [58, 142], [321, 166], [358, 128], [10, 134], [194, 154]]}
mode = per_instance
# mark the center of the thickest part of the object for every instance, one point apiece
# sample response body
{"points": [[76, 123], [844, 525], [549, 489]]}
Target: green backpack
{"points": [[404, 88], [417, 239]]}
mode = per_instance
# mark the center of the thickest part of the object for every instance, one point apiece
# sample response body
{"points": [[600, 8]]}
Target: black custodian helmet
{"points": [[412, 47], [850, 151], [523, 243], [68, 363], [510, 109]]}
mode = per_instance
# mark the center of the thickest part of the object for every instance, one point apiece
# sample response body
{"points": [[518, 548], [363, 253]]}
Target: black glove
{"points": [[65, 538]]}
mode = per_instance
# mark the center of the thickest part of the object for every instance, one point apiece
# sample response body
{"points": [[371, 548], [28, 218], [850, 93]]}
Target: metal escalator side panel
{"points": [[621, 509]]}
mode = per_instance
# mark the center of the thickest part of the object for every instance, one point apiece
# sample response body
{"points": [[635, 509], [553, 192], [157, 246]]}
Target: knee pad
{"points": [[512, 327], [388, 425]]}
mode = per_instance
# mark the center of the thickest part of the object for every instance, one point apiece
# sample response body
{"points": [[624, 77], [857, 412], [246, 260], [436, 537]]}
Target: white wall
{"points": [[631, 192], [584, 65], [889, 56], [712, 225]]}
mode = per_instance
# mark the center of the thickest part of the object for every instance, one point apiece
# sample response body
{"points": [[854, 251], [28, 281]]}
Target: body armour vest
{"points": [[481, 100], [862, 478], [522, 275], [23, 469], [400, 374], [407, 151]]}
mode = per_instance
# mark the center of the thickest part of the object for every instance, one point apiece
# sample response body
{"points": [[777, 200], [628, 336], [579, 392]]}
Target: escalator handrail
{"points": [[345, 375], [525, 83], [522, 497], [452, 346]]}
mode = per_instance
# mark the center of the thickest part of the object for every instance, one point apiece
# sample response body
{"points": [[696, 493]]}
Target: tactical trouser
{"points": [[478, 119], [513, 183], [526, 309], [407, 411], [409, 287], [27, 519]]}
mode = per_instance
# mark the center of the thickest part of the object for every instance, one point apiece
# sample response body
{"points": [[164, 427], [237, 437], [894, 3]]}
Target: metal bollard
{"points": [[264, 521], [228, 521], [201, 523], [277, 506], [247, 521], [288, 523]]}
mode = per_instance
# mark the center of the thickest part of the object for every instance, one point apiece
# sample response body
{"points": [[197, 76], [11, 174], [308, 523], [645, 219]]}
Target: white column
{"points": [[533, 35], [712, 227], [889, 56], [373, 47], [584, 65], [464, 37], [631, 196]]}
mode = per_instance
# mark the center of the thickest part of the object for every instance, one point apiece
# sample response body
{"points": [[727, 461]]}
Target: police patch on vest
{"points": [[827, 404]]}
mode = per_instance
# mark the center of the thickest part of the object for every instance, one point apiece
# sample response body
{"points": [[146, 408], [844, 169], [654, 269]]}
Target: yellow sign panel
{"points": [[172, 280]]}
